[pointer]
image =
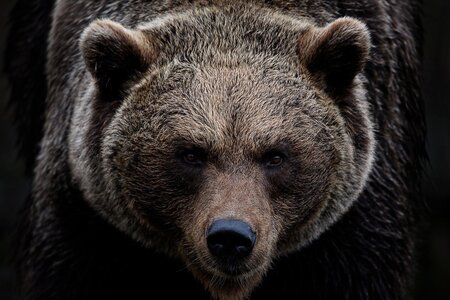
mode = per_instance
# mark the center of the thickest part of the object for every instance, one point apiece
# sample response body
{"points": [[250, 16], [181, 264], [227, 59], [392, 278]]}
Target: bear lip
{"points": [[240, 270], [229, 271], [236, 271], [222, 285]]}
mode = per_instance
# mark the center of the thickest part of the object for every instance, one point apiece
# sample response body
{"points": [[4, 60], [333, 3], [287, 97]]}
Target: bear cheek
{"points": [[302, 193], [161, 193]]}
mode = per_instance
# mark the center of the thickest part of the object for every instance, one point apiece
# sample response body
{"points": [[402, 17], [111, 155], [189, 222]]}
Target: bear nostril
{"points": [[230, 239], [242, 251], [217, 249]]}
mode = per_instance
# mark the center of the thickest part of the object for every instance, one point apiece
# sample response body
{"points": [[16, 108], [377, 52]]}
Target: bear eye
{"points": [[193, 157], [274, 159]]}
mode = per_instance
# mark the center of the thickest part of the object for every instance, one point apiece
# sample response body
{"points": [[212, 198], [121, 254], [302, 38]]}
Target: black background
{"points": [[433, 280]]}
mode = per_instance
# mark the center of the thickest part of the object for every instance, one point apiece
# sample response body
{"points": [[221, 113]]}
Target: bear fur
{"points": [[133, 88]]}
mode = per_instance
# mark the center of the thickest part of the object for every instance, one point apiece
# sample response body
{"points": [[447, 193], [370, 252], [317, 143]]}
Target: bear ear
{"points": [[336, 53], [115, 56]]}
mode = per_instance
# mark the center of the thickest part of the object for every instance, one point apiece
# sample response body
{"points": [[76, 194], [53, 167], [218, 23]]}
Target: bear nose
{"points": [[230, 238]]}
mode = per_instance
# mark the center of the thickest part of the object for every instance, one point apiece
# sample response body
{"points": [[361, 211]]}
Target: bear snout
{"points": [[230, 240]]}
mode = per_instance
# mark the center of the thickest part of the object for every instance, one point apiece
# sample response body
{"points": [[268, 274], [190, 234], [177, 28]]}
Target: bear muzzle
{"points": [[230, 241]]}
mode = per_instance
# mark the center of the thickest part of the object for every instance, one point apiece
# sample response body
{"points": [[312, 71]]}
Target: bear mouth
{"points": [[227, 269], [231, 270], [225, 279], [233, 283]]}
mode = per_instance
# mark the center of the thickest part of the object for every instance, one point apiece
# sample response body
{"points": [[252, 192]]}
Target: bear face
{"points": [[268, 128]]}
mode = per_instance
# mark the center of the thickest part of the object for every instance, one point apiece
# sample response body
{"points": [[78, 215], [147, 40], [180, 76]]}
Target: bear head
{"points": [[223, 137]]}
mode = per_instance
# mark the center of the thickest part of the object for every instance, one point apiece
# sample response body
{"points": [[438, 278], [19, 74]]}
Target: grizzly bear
{"points": [[218, 149]]}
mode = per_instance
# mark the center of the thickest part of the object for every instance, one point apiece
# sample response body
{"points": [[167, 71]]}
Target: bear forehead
{"points": [[203, 32], [245, 107]]}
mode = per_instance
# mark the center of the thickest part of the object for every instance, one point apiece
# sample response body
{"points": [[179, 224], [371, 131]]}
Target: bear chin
{"points": [[227, 287]]}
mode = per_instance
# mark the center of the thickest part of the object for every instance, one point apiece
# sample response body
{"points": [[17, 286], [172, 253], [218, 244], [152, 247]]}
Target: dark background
{"points": [[433, 280]]}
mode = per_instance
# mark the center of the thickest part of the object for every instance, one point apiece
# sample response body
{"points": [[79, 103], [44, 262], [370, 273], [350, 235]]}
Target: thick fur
{"points": [[25, 59], [114, 216]]}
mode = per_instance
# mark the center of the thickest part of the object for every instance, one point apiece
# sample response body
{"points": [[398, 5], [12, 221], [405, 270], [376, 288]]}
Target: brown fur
{"points": [[134, 85], [236, 97]]}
